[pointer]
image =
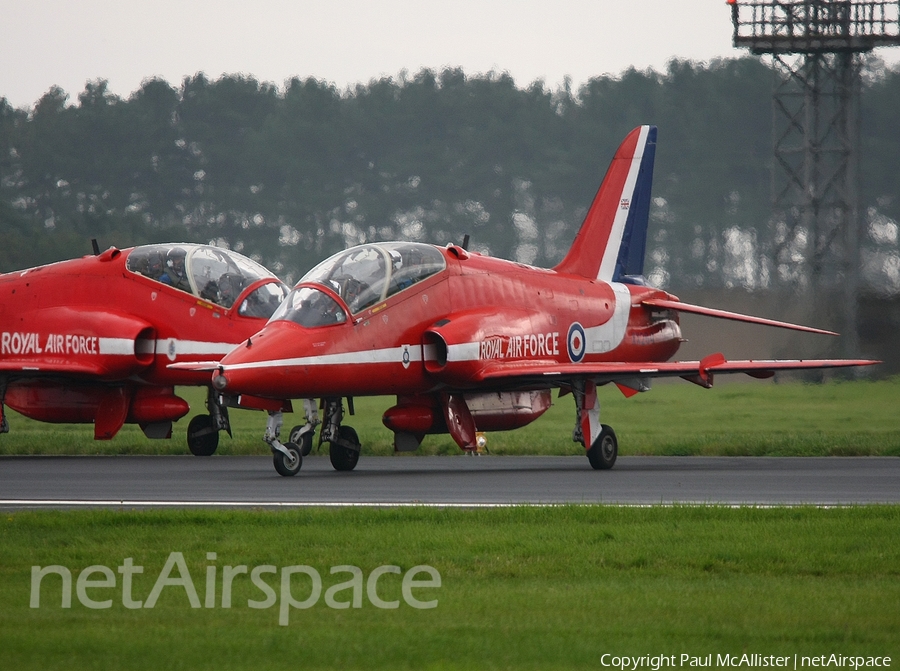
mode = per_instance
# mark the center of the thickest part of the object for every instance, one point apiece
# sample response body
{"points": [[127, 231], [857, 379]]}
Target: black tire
{"points": [[605, 449], [202, 438], [345, 458], [288, 467], [303, 441]]}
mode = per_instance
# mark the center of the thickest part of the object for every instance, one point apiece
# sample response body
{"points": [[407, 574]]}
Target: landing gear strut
{"points": [[302, 434]]}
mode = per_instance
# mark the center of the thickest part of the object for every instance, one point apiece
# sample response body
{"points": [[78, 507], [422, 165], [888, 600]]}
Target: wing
{"points": [[626, 374]]}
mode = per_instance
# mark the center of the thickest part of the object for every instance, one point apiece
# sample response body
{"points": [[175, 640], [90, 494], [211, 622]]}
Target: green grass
{"points": [[753, 418], [522, 588]]}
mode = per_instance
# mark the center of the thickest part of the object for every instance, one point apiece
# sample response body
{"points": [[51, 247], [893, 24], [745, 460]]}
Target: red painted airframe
{"points": [[89, 340], [469, 343]]}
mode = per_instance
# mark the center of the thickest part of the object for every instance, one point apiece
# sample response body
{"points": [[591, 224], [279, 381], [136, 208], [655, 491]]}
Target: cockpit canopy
{"points": [[367, 274], [362, 276], [310, 307], [213, 274]]}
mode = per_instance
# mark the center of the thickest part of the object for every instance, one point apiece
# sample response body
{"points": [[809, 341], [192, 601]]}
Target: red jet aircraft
{"points": [[88, 340], [469, 343]]}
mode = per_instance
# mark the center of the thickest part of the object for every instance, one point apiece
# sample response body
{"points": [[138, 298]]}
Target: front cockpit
{"points": [[311, 307], [216, 275], [365, 275]]}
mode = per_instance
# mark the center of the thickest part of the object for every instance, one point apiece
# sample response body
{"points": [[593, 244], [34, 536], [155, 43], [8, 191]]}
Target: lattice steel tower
{"points": [[817, 49]]}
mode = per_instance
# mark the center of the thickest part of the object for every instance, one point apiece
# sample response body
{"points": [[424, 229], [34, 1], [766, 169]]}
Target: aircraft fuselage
{"points": [[438, 334]]}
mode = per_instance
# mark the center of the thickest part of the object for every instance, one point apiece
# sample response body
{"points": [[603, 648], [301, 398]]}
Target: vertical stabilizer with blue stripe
{"points": [[630, 262], [612, 240]]}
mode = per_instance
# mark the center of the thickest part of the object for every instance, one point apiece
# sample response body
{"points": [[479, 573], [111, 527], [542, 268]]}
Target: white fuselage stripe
{"points": [[386, 355], [194, 347], [114, 346], [129, 346]]}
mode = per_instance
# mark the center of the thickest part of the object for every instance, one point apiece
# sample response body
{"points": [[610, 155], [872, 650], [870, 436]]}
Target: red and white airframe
{"points": [[89, 340], [469, 343]]}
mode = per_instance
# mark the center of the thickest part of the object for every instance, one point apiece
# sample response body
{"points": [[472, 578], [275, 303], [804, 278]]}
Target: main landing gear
{"points": [[604, 450], [599, 439], [343, 442], [203, 430]]}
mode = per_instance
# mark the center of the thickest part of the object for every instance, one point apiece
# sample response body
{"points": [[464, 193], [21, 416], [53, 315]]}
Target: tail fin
{"points": [[610, 244]]}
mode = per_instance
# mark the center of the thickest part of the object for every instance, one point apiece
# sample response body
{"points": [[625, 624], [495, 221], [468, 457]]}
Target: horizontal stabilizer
{"points": [[724, 314]]}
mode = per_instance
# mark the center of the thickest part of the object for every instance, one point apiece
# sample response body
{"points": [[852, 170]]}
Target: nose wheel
{"points": [[288, 463]]}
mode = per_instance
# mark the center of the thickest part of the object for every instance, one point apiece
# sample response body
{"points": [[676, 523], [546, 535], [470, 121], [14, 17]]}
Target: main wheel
{"points": [[302, 440], [202, 437], [288, 466], [605, 449], [344, 458]]}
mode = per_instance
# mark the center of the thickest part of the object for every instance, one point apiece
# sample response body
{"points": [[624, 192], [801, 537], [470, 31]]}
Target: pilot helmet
{"points": [[175, 259], [155, 263]]}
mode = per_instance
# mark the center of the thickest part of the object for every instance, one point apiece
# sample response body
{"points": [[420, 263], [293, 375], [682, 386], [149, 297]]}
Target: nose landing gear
{"points": [[286, 458], [344, 445]]}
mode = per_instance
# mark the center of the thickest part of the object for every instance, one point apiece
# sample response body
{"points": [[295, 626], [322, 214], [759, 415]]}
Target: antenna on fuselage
{"points": [[465, 244], [95, 246]]}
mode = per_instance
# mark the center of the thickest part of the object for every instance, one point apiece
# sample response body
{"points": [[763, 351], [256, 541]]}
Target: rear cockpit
{"points": [[213, 274]]}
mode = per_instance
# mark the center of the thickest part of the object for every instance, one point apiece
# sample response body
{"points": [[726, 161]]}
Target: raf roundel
{"points": [[575, 342]]}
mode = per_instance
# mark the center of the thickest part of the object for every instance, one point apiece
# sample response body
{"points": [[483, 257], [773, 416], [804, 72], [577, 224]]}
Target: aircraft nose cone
{"points": [[257, 367]]}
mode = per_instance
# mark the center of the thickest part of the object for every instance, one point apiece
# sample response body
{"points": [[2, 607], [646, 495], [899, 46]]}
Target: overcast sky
{"points": [[69, 42]]}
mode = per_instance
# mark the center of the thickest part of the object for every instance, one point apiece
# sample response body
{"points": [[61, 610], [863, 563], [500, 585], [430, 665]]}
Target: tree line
{"points": [[288, 175]]}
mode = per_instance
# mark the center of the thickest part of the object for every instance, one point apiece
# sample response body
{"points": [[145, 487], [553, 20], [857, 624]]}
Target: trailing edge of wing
{"points": [[724, 314], [695, 371]]}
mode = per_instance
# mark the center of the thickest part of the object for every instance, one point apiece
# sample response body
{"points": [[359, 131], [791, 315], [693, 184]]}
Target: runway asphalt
{"points": [[219, 481]]}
